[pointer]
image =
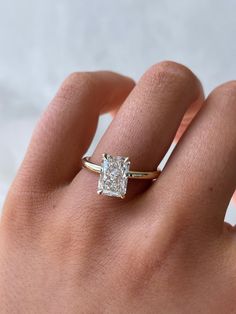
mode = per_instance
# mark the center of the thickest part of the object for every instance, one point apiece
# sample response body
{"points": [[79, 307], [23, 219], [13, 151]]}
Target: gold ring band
{"points": [[141, 175]]}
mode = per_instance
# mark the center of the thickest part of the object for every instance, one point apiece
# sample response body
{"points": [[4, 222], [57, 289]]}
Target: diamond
{"points": [[113, 176]]}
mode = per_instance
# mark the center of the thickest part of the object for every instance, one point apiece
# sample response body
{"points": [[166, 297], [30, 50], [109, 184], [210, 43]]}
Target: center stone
{"points": [[113, 176]]}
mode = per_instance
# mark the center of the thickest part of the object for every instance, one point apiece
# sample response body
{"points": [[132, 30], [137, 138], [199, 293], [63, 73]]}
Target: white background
{"points": [[41, 42]]}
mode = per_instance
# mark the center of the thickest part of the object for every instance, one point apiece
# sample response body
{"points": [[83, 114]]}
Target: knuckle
{"points": [[74, 86], [79, 79], [223, 97], [171, 72], [170, 66], [228, 88]]}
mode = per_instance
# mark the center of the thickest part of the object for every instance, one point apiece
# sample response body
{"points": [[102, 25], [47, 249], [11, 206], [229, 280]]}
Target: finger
{"points": [[187, 119], [146, 123], [202, 171], [67, 127]]}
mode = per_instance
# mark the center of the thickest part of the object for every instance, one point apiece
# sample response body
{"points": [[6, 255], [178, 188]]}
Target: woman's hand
{"points": [[165, 247]]}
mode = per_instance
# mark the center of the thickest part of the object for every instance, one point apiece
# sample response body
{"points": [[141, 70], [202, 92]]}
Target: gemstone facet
{"points": [[113, 176]]}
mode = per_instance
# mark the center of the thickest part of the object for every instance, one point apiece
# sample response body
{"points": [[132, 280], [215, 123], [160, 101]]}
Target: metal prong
{"points": [[99, 192], [126, 159], [104, 155]]}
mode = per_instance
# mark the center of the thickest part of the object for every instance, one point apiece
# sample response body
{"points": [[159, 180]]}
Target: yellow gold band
{"points": [[141, 175]]}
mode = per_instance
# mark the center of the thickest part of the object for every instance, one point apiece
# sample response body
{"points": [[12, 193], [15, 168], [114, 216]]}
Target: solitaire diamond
{"points": [[114, 176]]}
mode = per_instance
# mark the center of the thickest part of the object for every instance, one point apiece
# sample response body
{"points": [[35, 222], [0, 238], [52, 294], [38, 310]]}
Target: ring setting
{"points": [[114, 174]]}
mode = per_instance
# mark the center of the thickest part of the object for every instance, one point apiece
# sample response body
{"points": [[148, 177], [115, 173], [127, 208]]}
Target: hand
{"points": [[163, 249]]}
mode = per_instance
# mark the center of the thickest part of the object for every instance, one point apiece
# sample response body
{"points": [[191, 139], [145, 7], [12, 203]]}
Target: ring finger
{"points": [[146, 123]]}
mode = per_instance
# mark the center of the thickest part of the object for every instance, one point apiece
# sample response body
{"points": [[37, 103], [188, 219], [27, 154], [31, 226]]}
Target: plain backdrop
{"points": [[41, 42]]}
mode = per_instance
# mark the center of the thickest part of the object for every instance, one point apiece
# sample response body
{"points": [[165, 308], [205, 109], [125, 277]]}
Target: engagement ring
{"points": [[114, 174]]}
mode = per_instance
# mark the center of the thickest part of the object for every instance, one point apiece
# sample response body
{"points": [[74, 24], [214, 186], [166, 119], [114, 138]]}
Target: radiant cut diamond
{"points": [[114, 176]]}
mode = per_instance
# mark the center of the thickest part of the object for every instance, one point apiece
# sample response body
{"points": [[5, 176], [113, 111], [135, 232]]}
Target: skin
{"points": [[163, 249]]}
